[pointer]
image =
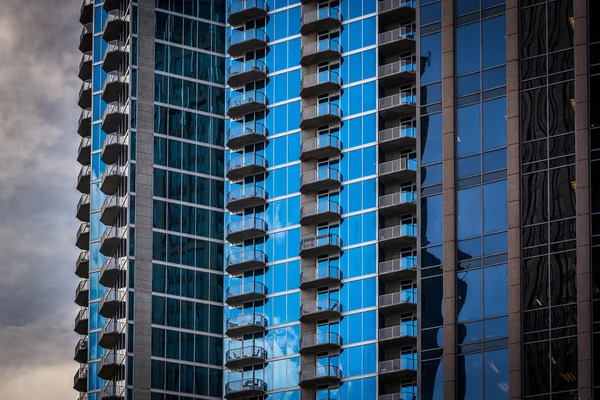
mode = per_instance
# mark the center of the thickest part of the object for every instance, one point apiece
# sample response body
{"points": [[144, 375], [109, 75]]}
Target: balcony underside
{"points": [[399, 176], [85, 44], [400, 308], [115, 91], [320, 315], [244, 298], [320, 152], [399, 341], [327, 216], [82, 298], [398, 111], [398, 79], [108, 309], [241, 267], [83, 212], [319, 380], [398, 242], [108, 340], [115, 59], [110, 183], [397, 14], [240, 236], [320, 57], [115, 28], [85, 127], [322, 184], [85, 70], [319, 120], [83, 241], [109, 215], [80, 384], [241, 362], [85, 99], [109, 246], [81, 326], [110, 370], [237, 174], [240, 331], [241, 48], [325, 249], [245, 394], [326, 281], [110, 5], [319, 88], [251, 75], [398, 275], [109, 276], [247, 14], [246, 202], [398, 46], [238, 111], [242, 141], [397, 375], [320, 24], [319, 348], [398, 209], [405, 142], [112, 121]]}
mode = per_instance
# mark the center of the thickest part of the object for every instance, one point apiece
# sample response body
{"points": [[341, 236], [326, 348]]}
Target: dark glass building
{"points": [[338, 200]]}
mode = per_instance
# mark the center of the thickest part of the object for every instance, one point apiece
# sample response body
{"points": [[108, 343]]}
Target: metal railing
{"points": [[312, 241], [249, 128], [82, 315], [83, 229], [320, 110], [320, 175], [320, 207], [402, 164], [406, 64], [83, 200], [245, 161], [246, 320], [247, 66], [81, 373], [113, 108], [400, 364], [244, 352], [238, 37], [249, 384], [113, 232], [398, 231], [85, 58], [246, 288], [85, 85], [397, 198], [243, 5], [252, 96], [404, 32], [113, 170], [114, 15], [84, 256], [113, 295], [316, 339], [113, 326], [246, 192], [86, 30], [85, 114], [408, 296], [113, 390], [308, 373], [113, 263], [320, 273], [114, 45], [113, 76], [112, 357], [405, 97], [85, 142], [320, 306], [320, 142], [246, 256], [82, 287], [321, 77], [85, 170], [321, 45], [405, 130], [398, 331], [112, 201], [82, 344], [388, 5], [399, 264], [246, 224], [319, 14]]}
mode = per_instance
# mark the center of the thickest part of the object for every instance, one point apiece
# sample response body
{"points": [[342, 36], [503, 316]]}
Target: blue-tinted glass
{"points": [[470, 384], [494, 123], [494, 160], [431, 93], [467, 84], [466, 6], [467, 48], [431, 53], [468, 205], [469, 291], [468, 333], [495, 293], [431, 139], [432, 380], [495, 328], [468, 166], [493, 41], [495, 205], [432, 214], [493, 78], [431, 13], [467, 249], [431, 175], [493, 244], [495, 374], [468, 131]]}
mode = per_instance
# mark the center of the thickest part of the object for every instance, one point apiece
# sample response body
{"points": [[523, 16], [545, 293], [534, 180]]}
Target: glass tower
{"points": [[337, 200]]}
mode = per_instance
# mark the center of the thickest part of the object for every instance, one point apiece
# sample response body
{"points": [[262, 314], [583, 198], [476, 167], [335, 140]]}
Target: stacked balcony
{"points": [[114, 115], [82, 238], [84, 126], [391, 11], [398, 72], [85, 38], [312, 117], [322, 146], [116, 23], [320, 179], [242, 11], [85, 66], [110, 5], [82, 265], [83, 179], [246, 356], [320, 277], [111, 269], [116, 55], [320, 342], [115, 87], [320, 212], [81, 351], [398, 335], [83, 208], [321, 19], [86, 12], [112, 391], [112, 300], [327, 309], [111, 239], [80, 381], [246, 72], [319, 375], [398, 269], [114, 145], [244, 41], [246, 228], [240, 136], [81, 321], [82, 293], [112, 207], [111, 178], [245, 389], [320, 245], [399, 40], [111, 333], [320, 83], [111, 365], [237, 295], [401, 235], [85, 95], [84, 151], [246, 103], [404, 301], [247, 260], [246, 324], [320, 51], [400, 368], [246, 196], [246, 165]]}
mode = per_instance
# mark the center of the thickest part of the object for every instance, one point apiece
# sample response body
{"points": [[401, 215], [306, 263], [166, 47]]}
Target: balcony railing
{"points": [[241, 42], [111, 208], [324, 243], [398, 40], [402, 136], [389, 200], [246, 228], [398, 265], [245, 103], [320, 179], [110, 333], [322, 146], [114, 55], [320, 276], [398, 365], [399, 331], [320, 309], [242, 135], [84, 127], [86, 12], [85, 66], [85, 95], [241, 11], [246, 165], [81, 351], [82, 265], [249, 387], [113, 115], [321, 341], [115, 23], [84, 151], [82, 237], [115, 84], [81, 322], [322, 374], [82, 293], [403, 301], [320, 83], [392, 11], [111, 239], [113, 391], [111, 268], [393, 232], [83, 208], [402, 169], [321, 211], [245, 356], [321, 114], [320, 51], [246, 196], [111, 178], [247, 260], [80, 379], [245, 72], [241, 325], [398, 73], [85, 38], [320, 19], [245, 292]]}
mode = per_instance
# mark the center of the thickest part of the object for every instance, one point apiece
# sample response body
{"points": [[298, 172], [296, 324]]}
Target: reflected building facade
{"points": [[352, 199]]}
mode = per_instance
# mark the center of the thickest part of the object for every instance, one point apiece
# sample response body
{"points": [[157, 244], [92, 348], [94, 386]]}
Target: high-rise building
{"points": [[352, 199]]}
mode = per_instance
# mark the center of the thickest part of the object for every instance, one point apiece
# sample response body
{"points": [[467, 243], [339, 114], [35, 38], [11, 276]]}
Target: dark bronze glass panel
{"points": [[533, 31], [562, 145], [534, 281], [560, 30], [536, 368], [534, 151], [533, 112], [563, 279], [533, 68], [534, 198], [561, 61], [562, 192], [563, 316], [561, 108], [562, 230], [564, 364], [535, 235]]}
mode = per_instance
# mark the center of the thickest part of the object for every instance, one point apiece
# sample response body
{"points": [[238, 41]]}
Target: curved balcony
{"points": [[245, 388], [84, 126], [245, 325], [85, 66], [399, 269], [244, 293], [240, 136], [246, 165], [398, 203], [320, 52], [83, 179], [241, 11], [400, 368], [111, 301], [319, 375], [322, 244], [319, 115], [111, 269], [111, 208], [401, 170], [322, 146], [321, 211], [403, 104], [321, 19], [85, 38], [111, 178], [86, 12], [246, 103], [245, 72], [320, 342], [115, 25], [245, 197], [112, 331], [82, 238], [320, 179], [401, 302], [320, 83], [112, 391], [81, 322], [83, 208], [320, 277], [110, 5], [80, 379], [399, 72], [397, 41], [82, 293], [242, 42], [247, 260], [85, 95], [244, 357], [112, 364], [82, 265], [81, 351], [399, 137], [113, 117], [244, 229], [396, 10], [403, 235], [116, 55], [84, 151], [328, 309], [399, 335], [115, 87], [113, 146], [111, 239]]}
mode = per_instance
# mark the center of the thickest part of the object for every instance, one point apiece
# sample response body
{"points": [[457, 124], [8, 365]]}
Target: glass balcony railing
{"points": [[319, 306], [240, 321], [246, 224], [404, 32], [321, 338], [247, 97], [241, 41], [319, 175], [320, 142], [407, 296], [242, 5], [407, 97], [325, 45], [403, 230], [407, 130], [388, 5], [246, 256], [399, 264], [246, 288], [239, 132], [245, 352], [401, 164], [320, 371], [320, 207], [400, 364], [324, 239], [240, 11], [246, 192], [247, 66], [406, 64], [313, 16], [394, 332], [320, 110], [250, 385]]}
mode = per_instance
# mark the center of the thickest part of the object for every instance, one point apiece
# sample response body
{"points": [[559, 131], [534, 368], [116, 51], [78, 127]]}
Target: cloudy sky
{"points": [[38, 145]]}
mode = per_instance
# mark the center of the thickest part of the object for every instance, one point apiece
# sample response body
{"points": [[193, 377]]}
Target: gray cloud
{"points": [[38, 144]]}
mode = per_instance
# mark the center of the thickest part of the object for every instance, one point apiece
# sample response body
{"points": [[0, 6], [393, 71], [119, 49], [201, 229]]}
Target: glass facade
{"points": [[319, 174]]}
